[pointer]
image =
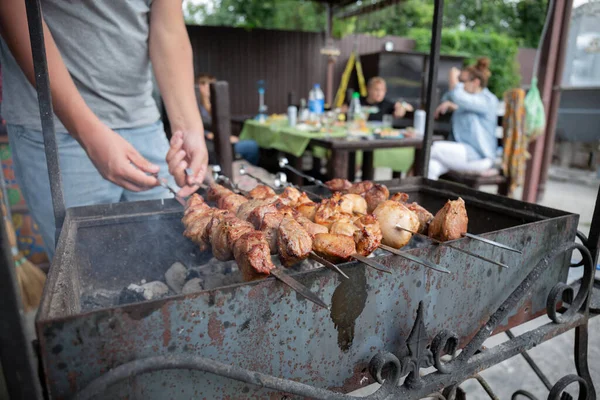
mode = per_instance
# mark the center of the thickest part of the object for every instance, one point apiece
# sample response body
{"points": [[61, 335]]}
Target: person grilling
{"points": [[247, 149], [474, 120]]}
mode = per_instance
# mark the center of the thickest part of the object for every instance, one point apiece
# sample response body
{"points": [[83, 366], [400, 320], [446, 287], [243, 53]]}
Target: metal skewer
{"points": [[414, 259], [371, 263], [163, 183], [491, 242], [439, 242], [298, 287], [284, 163], [314, 256], [216, 174], [281, 181]]}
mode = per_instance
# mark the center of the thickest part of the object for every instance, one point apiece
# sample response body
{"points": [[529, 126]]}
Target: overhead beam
{"points": [[369, 8]]}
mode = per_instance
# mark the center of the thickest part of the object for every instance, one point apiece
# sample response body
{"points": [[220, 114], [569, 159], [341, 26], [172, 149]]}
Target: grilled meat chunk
{"points": [[269, 226], [361, 187], [338, 185], [400, 197], [391, 213], [256, 216], [303, 199], [196, 227], [293, 242], [334, 247], [330, 211], [290, 196], [216, 191], [353, 204], [225, 234], [251, 252], [243, 212], [375, 196], [261, 192], [368, 236], [450, 222], [425, 217], [231, 202], [307, 209], [310, 227], [343, 227], [195, 202]]}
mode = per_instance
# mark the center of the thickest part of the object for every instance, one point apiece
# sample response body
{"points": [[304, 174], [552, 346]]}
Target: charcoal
{"points": [[99, 298], [176, 277], [131, 294], [192, 286], [192, 273], [154, 290]]}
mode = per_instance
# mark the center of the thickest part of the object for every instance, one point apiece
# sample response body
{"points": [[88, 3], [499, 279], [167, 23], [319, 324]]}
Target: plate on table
{"points": [[388, 133]]}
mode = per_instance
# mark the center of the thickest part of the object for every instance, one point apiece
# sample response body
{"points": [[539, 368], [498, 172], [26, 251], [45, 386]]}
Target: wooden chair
{"points": [[221, 120]]}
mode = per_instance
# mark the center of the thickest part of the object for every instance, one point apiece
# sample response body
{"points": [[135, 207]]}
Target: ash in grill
{"points": [[178, 279]]}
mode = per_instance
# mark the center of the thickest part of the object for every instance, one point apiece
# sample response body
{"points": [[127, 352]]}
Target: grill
{"points": [[265, 327]]}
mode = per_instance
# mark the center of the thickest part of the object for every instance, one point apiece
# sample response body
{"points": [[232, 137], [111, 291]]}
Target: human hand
{"points": [[400, 109], [454, 74], [118, 161], [234, 139], [188, 150], [444, 108]]}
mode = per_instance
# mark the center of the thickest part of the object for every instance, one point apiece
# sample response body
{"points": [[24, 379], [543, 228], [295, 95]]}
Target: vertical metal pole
{"points": [[42, 83], [434, 57], [16, 354], [593, 243], [330, 59]]}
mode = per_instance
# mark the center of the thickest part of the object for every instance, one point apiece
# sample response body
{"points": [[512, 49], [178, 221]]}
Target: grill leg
{"points": [[581, 358]]}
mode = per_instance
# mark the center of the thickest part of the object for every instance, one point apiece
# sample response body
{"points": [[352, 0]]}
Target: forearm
{"points": [[171, 55], [68, 104]]}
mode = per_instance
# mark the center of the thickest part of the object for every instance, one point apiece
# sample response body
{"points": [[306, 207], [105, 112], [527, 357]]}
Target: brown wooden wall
{"points": [[287, 60]]}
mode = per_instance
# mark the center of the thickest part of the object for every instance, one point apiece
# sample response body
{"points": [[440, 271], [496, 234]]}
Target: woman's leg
{"points": [[436, 169], [446, 156]]}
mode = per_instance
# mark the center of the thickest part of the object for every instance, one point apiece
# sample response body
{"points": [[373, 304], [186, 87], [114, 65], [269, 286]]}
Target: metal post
{"points": [[221, 116], [42, 83], [330, 58], [16, 355], [434, 56], [555, 97], [593, 242]]}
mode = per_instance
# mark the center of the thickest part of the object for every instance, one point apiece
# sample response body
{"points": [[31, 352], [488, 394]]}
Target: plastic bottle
{"points": [[292, 114], [355, 109], [316, 100], [303, 114], [419, 122]]}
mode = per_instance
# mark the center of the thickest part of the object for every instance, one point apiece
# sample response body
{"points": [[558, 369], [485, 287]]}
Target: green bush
{"points": [[501, 50]]}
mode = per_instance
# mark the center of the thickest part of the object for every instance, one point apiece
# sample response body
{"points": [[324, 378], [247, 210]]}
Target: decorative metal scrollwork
{"points": [[558, 390], [557, 294], [417, 355], [445, 342]]}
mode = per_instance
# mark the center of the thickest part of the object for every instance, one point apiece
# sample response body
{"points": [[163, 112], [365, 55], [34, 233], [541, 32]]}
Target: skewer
{"points": [[222, 178], [439, 242], [491, 242], [281, 180], [315, 257], [284, 163], [414, 259], [163, 183], [298, 287], [189, 172]]}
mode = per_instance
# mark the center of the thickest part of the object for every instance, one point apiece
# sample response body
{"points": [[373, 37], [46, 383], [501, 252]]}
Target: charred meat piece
{"points": [[400, 197], [368, 237], [361, 187], [194, 202], [353, 204], [251, 252], [231, 202], [425, 217], [191, 215], [390, 214], [195, 228], [307, 209], [345, 228], [303, 199], [216, 191], [330, 211], [338, 185], [450, 222], [243, 212], [269, 226], [256, 216], [290, 195], [375, 196], [333, 247], [217, 217], [293, 242], [261, 192], [310, 227], [225, 234]]}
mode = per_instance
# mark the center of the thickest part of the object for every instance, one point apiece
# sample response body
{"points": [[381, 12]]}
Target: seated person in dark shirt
{"points": [[376, 90], [247, 149]]}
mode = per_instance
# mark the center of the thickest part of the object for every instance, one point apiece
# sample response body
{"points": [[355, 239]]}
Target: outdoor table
{"points": [[395, 153]]}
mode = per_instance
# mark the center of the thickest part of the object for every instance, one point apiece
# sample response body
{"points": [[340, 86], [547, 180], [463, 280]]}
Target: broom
{"points": [[30, 278]]}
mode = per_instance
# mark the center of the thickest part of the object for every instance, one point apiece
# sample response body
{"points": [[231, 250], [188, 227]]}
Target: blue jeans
{"points": [[249, 150], [82, 183]]}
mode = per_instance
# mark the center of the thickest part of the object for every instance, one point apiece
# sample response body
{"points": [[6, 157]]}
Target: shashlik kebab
{"points": [[233, 238], [400, 219], [268, 215]]}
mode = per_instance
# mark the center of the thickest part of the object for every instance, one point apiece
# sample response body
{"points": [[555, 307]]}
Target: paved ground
{"points": [[573, 191]]}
